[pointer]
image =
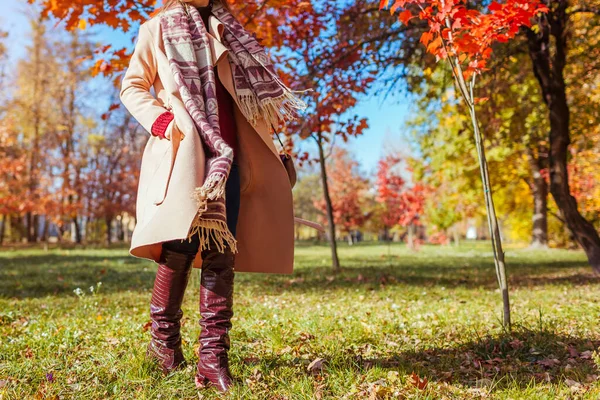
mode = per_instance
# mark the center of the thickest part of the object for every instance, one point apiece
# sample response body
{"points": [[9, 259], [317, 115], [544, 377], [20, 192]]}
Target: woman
{"points": [[213, 190]]}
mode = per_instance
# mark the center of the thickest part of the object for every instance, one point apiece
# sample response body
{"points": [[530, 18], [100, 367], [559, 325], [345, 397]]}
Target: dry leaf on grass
{"points": [[315, 366], [420, 383]]}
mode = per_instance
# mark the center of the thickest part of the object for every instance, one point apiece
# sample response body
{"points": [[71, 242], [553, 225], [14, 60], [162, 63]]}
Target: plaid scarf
{"points": [[259, 90]]}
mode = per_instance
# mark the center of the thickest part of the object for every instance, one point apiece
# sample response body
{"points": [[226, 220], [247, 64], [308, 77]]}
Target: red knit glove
{"points": [[159, 127]]}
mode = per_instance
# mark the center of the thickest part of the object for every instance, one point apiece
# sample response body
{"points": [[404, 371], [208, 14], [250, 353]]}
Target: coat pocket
{"points": [[163, 173]]}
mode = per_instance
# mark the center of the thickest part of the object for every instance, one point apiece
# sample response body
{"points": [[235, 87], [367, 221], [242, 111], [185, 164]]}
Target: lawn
{"points": [[394, 323]]}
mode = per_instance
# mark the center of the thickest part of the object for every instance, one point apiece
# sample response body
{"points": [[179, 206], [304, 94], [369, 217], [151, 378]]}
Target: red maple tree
{"points": [[464, 36], [347, 188], [403, 205], [389, 188]]}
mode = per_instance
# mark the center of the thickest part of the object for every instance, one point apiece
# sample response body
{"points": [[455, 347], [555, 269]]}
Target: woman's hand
{"points": [[169, 130], [172, 130]]}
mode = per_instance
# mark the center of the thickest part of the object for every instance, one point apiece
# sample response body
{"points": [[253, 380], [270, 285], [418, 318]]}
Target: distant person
{"points": [[214, 191]]}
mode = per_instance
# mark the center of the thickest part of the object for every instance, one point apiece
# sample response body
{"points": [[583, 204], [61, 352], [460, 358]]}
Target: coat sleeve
{"points": [[137, 81]]}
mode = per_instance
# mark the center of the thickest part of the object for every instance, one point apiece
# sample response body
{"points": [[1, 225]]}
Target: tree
{"points": [[333, 94], [112, 177], [402, 202], [464, 37], [32, 113], [348, 189], [307, 188], [389, 186], [13, 167], [68, 136], [548, 46], [3, 63], [265, 19], [402, 60]]}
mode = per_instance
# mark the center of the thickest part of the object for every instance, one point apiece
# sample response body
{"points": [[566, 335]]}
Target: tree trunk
{"points": [[467, 92], [2, 229], [411, 242], [29, 225], [329, 205], [46, 229], [108, 221], [549, 61], [77, 230], [18, 228], [32, 220], [386, 233], [121, 231], [456, 236], [35, 229], [539, 190]]}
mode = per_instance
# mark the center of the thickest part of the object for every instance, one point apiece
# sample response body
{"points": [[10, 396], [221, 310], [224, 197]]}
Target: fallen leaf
{"points": [[28, 352], [573, 352], [315, 366], [549, 362], [415, 380], [571, 383], [516, 344]]}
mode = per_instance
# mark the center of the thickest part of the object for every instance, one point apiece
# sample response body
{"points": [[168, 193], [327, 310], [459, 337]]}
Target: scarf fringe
{"points": [[215, 230], [283, 107], [212, 189], [273, 110]]}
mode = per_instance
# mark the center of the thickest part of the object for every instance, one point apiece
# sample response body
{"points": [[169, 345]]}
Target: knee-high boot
{"points": [[216, 301], [165, 309]]}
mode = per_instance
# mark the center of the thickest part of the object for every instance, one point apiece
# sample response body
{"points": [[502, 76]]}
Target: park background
{"points": [[404, 301]]}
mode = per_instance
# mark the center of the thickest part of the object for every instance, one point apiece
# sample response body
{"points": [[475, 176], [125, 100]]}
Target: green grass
{"points": [[435, 313]]}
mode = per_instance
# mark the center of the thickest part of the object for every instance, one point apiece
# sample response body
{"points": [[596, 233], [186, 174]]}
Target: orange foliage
{"points": [[467, 34]]}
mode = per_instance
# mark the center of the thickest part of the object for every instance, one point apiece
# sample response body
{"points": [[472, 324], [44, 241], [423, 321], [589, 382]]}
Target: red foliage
{"points": [[438, 238], [347, 188], [467, 34], [389, 188], [402, 205]]}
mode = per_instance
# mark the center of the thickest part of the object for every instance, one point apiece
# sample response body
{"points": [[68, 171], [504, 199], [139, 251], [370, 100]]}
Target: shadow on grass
{"points": [[518, 359], [32, 276], [515, 360], [38, 274], [427, 276]]}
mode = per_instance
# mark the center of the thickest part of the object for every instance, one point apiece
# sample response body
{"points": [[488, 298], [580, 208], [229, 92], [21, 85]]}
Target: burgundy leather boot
{"points": [[165, 309], [216, 301]]}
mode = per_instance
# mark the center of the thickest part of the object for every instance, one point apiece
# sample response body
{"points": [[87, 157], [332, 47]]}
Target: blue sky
{"points": [[386, 117]]}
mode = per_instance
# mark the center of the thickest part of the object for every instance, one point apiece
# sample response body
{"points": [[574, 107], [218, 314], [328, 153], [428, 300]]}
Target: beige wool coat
{"points": [[171, 169]]}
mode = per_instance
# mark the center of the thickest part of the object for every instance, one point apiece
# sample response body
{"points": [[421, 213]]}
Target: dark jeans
{"points": [[232, 205]]}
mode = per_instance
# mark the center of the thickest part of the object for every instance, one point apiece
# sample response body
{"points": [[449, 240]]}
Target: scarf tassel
{"points": [[273, 110], [215, 230], [212, 189]]}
